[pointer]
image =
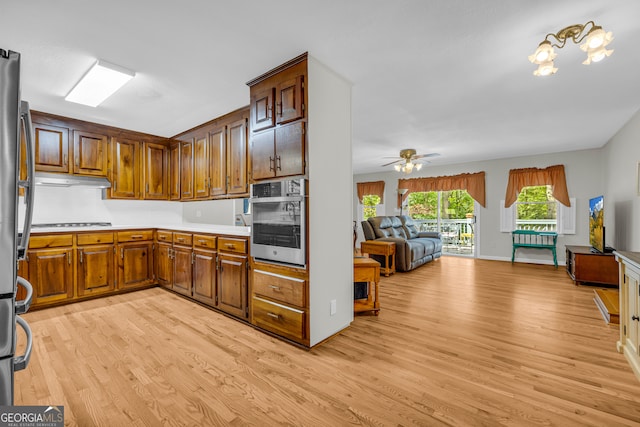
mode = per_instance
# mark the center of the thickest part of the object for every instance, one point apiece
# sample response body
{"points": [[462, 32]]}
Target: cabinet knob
{"points": [[634, 317]]}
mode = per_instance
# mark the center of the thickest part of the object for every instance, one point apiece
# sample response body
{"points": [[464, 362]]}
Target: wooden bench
{"points": [[535, 239]]}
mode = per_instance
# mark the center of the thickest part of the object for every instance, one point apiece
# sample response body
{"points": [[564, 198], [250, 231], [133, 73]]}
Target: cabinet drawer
{"points": [[282, 288], [94, 238], [164, 236], [365, 274], [203, 241], [280, 319], [184, 239], [50, 241], [232, 245], [135, 235]]}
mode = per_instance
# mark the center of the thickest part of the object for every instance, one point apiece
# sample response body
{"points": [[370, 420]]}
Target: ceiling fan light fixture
{"points": [[398, 168], [418, 166]]}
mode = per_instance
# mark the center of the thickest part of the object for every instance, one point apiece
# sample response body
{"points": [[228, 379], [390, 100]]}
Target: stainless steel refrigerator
{"points": [[14, 120]]}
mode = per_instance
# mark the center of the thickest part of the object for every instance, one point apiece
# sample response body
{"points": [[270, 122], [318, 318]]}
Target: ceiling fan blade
{"points": [[392, 163], [421, 156]]}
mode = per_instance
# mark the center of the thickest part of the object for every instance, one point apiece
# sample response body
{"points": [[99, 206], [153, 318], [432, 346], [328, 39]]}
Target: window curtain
{"points": [[371, 188], [527, 177], [472, 182]]}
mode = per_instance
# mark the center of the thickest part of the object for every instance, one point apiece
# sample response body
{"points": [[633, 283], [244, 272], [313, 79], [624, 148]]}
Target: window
{"points": [[371, 206], [536, 209]]}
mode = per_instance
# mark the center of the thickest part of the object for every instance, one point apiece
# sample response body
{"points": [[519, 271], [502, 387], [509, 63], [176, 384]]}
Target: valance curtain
{"points": [[527, 177], [472, 182], [371, 188]]}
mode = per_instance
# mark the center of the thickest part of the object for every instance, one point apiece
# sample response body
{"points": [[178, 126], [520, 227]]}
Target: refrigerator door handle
{"points": [[21, 362], [22, 306], [28, 184]]}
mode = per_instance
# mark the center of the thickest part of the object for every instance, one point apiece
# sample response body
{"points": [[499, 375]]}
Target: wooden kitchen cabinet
{"points": [[95, 264], [201, 167], [174, 171], [125, 169], [155, 171], [51, 274], [182, 263], [232, 276], [164, 265], [629, 278], [51, 148], [218, 161], [135, 258], [90, 153], [277, 109], [186, 171], [204, 269], [237, 158]]}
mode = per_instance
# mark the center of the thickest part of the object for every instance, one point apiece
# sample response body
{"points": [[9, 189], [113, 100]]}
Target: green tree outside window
{"points": [[370, 203]]}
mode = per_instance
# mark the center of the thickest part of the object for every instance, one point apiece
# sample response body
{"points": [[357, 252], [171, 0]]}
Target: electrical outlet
{"points": [[334, 307]]}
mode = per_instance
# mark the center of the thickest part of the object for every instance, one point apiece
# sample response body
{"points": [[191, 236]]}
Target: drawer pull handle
{"points": [[230, 245], [180, 239], [137, 236], [202, 242], [275, 316], [275, 288]]}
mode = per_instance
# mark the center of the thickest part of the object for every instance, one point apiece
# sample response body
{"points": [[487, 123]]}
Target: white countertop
{"points": [[229, 230]]}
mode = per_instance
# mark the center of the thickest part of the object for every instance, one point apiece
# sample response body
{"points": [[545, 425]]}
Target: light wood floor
{"points": [[458, 342]]}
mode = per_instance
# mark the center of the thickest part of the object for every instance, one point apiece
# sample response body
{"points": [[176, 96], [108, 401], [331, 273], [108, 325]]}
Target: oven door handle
{"points": [[277, 199]]}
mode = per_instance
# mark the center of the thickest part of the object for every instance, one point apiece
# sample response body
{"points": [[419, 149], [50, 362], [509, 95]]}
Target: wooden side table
{"points": [[387, 249], [367, 270]]}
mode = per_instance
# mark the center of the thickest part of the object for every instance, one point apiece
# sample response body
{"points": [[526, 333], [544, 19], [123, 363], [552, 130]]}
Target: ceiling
{"points": [[450, 77]]}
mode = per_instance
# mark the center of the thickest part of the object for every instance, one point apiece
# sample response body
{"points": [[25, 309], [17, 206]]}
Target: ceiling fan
{"points": [[409, 160]]}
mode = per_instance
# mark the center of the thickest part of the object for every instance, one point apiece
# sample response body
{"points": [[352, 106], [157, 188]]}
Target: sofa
{"points": [[413, 248]]}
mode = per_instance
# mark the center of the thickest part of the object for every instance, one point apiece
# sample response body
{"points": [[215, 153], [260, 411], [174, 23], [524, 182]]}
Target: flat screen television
{"points": [[596, 224]]}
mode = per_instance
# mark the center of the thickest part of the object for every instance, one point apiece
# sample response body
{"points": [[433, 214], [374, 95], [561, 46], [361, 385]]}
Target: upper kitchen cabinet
{"points": [[155, 171], [51, 148], [215, 164], [277, 145], [90, 153], [174, 171], [125, 169]]}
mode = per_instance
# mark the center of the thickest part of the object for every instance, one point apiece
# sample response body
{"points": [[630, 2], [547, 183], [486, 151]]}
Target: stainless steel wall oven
{"points": [[279, 211]]}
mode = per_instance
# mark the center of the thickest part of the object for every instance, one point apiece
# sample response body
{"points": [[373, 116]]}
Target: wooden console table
{"points": [[367, 270], [584, 266], [386, 249]]}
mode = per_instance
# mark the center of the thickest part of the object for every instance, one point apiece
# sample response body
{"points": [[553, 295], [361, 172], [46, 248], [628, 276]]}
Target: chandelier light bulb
{"points": [[418, 166], [545, 69], [398, 168], [543, 53]]}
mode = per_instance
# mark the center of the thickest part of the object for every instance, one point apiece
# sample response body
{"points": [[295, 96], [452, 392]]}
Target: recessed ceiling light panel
{"points": [[99, 83]]}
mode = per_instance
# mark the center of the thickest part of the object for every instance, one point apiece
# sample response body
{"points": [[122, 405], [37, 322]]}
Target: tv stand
{"points": [[585, 266]]}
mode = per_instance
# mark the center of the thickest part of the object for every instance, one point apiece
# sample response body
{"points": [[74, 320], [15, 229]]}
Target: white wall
{"points": [[85, 204], [330, 195], [585, 173], [621, 201], [220, 212]]}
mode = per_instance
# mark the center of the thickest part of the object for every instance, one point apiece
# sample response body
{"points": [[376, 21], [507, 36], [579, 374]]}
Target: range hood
{"points": [[65, 180]]}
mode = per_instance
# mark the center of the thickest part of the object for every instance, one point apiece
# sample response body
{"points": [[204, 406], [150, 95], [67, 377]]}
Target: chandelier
{"points": [[595, 42]]}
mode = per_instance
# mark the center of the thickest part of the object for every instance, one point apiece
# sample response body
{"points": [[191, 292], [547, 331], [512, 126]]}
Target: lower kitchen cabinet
{"points": [[95, 264], [51, 274], [204, 276], [182, 269], [135, 259], [232, 284], [164, 265]]}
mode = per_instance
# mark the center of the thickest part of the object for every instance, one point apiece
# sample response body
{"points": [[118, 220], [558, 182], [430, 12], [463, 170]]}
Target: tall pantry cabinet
{"points": [[300, 127]]}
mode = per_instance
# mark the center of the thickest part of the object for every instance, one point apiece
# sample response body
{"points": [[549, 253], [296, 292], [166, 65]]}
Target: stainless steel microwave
{"points": [[279, 221]]}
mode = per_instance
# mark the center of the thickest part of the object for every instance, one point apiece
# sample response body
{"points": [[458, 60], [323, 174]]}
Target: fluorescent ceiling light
{"points": [[99, 83]]}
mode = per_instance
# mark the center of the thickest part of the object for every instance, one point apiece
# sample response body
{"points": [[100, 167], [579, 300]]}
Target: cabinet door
{"points": [[174, 172], [182, 273], [290, 149], [135, 264], [237, 158], [633, 333], [290, 100], [218, 161], [186, 170], [96, 273], [262, 155], [125, 179], [204, 276], [90, 153], [52, 148], [262, 107], [201, 167], [155, 171], [51, 274], [164, 265], [232, 284]]}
